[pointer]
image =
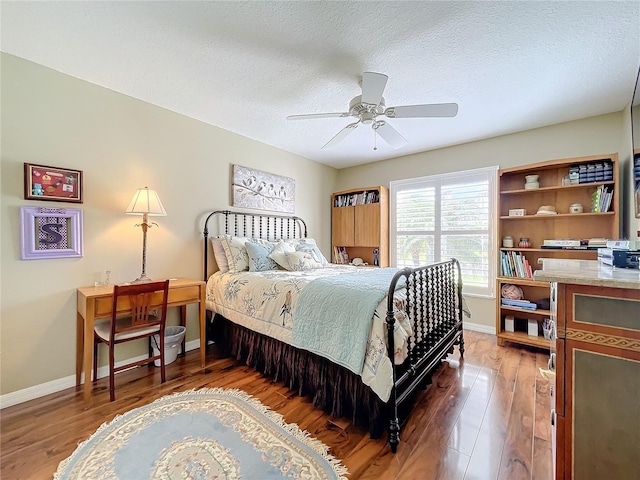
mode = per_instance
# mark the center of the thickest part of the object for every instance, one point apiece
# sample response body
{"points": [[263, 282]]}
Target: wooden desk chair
{"points": [[142, 323]]}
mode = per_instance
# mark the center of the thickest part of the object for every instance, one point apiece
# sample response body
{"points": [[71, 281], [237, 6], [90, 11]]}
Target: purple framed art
{"points": [[50, 233]]}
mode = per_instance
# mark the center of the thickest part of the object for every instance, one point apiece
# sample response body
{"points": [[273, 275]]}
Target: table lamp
{"points": [[145, 202]]}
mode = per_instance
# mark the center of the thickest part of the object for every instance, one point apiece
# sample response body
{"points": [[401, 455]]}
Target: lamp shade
{"points": [[146, 201]]}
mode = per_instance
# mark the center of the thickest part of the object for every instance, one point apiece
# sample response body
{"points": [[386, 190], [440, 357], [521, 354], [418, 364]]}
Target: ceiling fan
{"points": [[370, 106]]}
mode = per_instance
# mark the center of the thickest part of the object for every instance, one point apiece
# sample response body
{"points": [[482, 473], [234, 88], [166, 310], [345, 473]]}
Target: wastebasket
{"points": [[173, 337]]}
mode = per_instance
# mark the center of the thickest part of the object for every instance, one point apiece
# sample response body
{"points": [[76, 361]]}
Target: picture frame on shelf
{"points": [[50, 233], [42, 182]]}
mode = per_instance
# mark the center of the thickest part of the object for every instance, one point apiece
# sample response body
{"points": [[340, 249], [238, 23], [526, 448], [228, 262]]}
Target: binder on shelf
{"points": [[509, 323], [532, 327]]}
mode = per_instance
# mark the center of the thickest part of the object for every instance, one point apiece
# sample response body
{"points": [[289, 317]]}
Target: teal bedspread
{"points": [[333, 316]]}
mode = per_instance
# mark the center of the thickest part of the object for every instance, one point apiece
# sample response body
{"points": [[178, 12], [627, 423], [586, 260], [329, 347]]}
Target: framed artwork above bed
{"points": [[263, 190]]}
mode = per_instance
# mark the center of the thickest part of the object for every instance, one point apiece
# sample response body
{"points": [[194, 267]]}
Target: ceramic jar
{"points": [[531, 182], [575, 208], [524, 243], [507, 241]]}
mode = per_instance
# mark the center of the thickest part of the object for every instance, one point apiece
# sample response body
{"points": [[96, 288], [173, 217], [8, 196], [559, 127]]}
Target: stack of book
{"points": [[524, 304], [340, 255], [362, 198], [601, 199], [565, 244], [598, 242], [513, 264]]}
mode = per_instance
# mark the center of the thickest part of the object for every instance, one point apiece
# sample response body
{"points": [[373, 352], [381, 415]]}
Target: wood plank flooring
{"points": [[484, 418]]}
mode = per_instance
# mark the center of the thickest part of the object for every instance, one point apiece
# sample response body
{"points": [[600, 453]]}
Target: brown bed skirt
{"points": [[333, 388]]}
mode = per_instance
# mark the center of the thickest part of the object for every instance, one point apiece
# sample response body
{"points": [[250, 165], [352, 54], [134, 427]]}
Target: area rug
{"points": [[201, 434]]}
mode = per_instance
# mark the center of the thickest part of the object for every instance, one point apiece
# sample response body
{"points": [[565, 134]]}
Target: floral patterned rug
{"points": [[201, 434]]}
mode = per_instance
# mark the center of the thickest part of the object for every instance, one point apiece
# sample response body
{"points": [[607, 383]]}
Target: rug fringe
{"points": [[292, 428]]}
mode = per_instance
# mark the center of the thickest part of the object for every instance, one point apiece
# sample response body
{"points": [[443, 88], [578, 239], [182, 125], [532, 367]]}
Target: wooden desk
{"points": [[97, 302]]}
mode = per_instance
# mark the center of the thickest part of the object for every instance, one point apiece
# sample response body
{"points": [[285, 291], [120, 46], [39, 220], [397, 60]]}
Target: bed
{"points": [[360, 341]]}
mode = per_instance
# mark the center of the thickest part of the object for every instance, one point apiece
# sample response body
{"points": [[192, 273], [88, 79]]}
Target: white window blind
{"points": [[443, 216]]}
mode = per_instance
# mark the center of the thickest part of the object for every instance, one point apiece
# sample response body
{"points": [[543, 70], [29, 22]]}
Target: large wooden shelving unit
{"points": [[362, 227], [537, 228]]}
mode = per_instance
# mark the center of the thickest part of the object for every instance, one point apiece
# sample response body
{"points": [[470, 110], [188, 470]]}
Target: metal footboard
{"points": [[434, 308]]}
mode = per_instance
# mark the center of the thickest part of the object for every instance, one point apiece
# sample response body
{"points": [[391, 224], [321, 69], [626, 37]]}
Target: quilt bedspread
{"points": [[266, 302]]}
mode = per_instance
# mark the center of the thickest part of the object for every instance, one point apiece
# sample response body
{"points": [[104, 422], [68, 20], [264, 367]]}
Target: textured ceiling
{"points": [[245, 66]]}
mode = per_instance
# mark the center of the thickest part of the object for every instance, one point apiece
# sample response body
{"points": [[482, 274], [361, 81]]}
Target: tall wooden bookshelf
{"points": [[554, 190], [360, 224]]}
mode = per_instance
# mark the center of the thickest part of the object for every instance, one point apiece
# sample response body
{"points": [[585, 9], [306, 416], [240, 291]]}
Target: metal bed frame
{"points": [[433, 306]]}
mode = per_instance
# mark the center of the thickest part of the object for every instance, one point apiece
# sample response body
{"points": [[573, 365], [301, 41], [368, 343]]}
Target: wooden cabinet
{"points": [[595, 399], [360, 224], [518, 219]]}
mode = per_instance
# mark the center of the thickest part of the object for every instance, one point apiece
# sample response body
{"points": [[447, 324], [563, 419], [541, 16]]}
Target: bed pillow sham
{"points": [[308, 245], [293, 260], [219, 255], [236, 252], [259, 260]]}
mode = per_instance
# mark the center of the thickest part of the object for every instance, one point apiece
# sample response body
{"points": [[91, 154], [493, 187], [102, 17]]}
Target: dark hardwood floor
{"points": [[486, 417]]}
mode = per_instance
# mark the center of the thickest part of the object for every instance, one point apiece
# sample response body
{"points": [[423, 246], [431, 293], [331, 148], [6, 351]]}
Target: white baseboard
{"points": [[54, 386], [478, 327]]}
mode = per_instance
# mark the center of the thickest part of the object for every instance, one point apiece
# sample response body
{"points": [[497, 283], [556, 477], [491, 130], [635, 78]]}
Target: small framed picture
{"points": [[52, 183], [50, 233]]}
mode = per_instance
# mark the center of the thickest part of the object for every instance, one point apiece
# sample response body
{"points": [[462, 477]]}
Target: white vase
{"points": [[531, 182]]}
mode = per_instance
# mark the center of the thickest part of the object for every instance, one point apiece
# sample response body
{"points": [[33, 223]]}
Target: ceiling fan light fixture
{"points": [[367, 118], [371, 105]]}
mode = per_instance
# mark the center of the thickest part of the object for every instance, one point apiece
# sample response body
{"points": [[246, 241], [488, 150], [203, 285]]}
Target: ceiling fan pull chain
{"points": [[375, 139]]}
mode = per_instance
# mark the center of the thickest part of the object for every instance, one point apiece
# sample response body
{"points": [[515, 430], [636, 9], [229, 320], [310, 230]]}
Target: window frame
{"points": [[486, 173]]}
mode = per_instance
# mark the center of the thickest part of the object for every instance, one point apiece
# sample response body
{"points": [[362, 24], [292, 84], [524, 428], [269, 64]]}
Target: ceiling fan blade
{"points": [[390, 134], [310, 116], [428, 110], [341, 135], [372, 87]]}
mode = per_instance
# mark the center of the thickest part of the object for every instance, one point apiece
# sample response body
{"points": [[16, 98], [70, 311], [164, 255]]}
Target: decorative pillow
{"points": [[293, 260], [236, 252], [313, 250], [259, 260], [308, 245], [219, 255], [281, 246]]}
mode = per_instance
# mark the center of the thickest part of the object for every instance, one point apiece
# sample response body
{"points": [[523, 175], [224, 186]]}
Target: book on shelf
{"points": [[358, 198], [597, 242], [562, 242], [578, 247], [514, 264], [524, 304], [601, 199], [340, 255]]}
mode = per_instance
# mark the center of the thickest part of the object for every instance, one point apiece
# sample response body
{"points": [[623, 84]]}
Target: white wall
{"points": [[591, 136], [120, 144]]}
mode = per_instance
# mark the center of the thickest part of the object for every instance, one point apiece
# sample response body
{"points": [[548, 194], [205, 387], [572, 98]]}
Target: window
{"points": [[442, 216]]}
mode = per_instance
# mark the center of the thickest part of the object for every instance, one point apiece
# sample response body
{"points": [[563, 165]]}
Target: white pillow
{"points": [[289, 259], [282, 246], [308, 245], [236, 252], [219, 255]]}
